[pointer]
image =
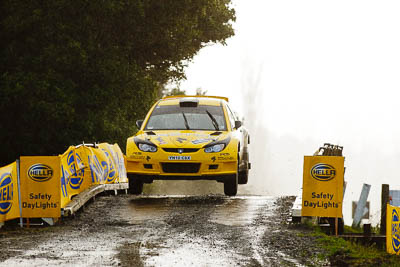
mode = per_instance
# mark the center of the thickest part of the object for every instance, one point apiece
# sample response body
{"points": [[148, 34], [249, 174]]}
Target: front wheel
{"points": [[135, 185], [231, 185]]}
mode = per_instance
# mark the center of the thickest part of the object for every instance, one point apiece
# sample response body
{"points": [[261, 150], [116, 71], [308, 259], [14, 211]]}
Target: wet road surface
{"points": [[211, 230]]}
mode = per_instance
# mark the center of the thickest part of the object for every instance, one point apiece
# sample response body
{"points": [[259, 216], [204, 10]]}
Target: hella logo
{"points": [[395, 231], [6, 193], [323, 172], [40, 172], [76, 178]]}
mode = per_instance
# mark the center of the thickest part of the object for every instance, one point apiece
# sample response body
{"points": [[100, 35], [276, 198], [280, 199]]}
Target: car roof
{"points": [[203, 100]]}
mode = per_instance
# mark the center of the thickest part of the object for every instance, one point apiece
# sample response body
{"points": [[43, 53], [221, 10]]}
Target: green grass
{"points": [[341, 252], [351, 230], [359, 230]]}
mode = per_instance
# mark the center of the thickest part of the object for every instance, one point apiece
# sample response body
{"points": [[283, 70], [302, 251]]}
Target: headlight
{"points": [[214, 148], [147, 147], [217, 145]]}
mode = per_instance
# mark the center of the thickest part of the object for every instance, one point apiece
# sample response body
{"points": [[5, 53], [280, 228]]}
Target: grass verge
{"points": [[341, 252]]}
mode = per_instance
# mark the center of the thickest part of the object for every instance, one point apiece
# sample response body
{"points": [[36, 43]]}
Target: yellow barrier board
{"points": [[48, 183], [99, 166], [120, 161], [40, 187], [116, 163], [323, 186], [393, 229], [84, 166], [9, 200], [73, 173]]}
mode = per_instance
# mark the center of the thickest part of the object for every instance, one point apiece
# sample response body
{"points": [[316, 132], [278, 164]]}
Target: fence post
{"points": [[385, 200], [21, 223]]}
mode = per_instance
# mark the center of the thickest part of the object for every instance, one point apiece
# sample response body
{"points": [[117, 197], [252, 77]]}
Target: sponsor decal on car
{"points": [[161, 141], [201, 141], [183, 134], [137, 157], [225, 158], [181, 140]]}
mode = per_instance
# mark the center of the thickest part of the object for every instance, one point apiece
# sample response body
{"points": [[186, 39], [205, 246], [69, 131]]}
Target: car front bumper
{"points": [[187, 166]]}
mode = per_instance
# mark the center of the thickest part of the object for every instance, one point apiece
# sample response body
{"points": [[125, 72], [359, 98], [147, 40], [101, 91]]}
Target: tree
{"points": [[200, 91], [73, 71], [174, 91]]}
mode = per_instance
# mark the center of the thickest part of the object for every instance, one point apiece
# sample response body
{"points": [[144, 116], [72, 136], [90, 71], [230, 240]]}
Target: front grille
{"points": [[183, 150], [180, 167]]}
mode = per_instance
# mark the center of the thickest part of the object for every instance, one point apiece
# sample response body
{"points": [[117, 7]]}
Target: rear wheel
{"points": [[231, 185], [135, 185]]}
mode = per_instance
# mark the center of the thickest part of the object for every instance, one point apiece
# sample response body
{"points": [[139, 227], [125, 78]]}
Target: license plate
{"points": [[179, 157]]}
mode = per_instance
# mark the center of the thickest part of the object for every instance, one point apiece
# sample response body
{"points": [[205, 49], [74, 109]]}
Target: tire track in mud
{"points": [[190, 237], [212, 231]]}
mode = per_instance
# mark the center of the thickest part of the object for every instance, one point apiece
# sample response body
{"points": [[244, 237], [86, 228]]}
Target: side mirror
{"points": [[238, 124], [139, 123]]}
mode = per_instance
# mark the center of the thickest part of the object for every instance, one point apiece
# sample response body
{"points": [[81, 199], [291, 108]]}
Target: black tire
{"points": [[135, 186], [243, 177], [231, 185]]}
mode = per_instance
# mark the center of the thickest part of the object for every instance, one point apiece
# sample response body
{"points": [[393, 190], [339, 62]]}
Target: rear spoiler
{"points": [[199, 96]]}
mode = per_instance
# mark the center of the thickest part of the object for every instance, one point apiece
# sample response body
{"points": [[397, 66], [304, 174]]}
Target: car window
{"points": [[181, 118], [231, 117]]}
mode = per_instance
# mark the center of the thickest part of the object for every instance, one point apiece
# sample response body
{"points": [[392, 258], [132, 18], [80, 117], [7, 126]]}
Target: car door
{"points": [[240, 133]]}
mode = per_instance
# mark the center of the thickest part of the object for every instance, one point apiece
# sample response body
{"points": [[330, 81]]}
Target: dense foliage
{"points": [[73, 71]]}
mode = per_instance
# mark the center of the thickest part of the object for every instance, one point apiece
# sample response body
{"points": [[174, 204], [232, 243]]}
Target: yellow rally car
{"points": [[189, 138]]}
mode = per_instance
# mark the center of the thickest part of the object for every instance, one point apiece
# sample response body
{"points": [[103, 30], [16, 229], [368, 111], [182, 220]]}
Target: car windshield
{"points": [[201, 117]]}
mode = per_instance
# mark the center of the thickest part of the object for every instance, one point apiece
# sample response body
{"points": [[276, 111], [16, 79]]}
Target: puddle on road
{"points": [[238, 211], [191, 252], [187, 250], [234, 211], [153, 208]]}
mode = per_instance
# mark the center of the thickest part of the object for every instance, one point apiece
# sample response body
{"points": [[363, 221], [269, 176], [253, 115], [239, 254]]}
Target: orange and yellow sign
{"points": [[9, 200], [48, 183], [40, 187], [323, 186], [393, 229]]}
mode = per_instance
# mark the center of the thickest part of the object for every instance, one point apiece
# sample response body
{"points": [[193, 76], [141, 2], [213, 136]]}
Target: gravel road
{"points": [[126, 230]]}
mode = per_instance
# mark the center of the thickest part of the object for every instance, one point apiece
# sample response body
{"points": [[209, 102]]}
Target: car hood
{"points": [[184, 138]]}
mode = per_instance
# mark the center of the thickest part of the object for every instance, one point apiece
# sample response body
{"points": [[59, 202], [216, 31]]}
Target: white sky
{"points": [[308, 72]]}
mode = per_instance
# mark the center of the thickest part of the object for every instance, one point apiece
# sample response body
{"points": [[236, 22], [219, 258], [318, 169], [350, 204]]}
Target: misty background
{"points": [[304, 73]]}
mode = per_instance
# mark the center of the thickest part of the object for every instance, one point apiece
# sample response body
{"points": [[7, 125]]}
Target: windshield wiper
{"points": [[214, 121], [186, 122]]}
